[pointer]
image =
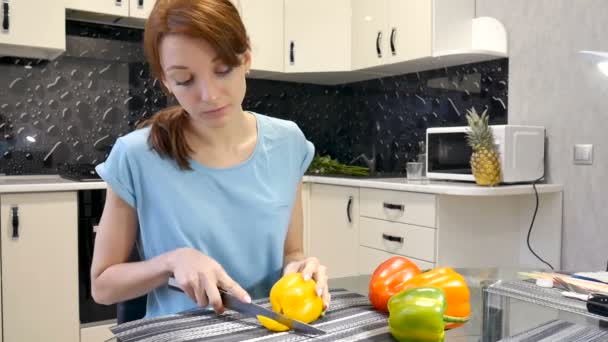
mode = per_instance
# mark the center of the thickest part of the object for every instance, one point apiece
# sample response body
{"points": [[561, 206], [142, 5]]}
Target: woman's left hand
{"points": [[312, 268]]}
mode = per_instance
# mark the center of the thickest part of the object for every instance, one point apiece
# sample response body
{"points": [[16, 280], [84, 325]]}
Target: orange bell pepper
{"points": [[389, 279], [453, 285]]}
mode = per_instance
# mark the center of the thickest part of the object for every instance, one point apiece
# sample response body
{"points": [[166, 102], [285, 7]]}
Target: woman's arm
{"points": [[112, 278]]}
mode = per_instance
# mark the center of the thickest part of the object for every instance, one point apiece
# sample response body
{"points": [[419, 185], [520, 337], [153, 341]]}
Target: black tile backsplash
{"points": [[68, 112]]}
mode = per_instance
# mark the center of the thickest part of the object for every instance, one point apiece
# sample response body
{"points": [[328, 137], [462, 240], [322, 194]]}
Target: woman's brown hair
{"points": [[215, 21]]}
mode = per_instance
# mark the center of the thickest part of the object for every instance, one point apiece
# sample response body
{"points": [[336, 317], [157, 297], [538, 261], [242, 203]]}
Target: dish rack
{"points": [[496, 306]]}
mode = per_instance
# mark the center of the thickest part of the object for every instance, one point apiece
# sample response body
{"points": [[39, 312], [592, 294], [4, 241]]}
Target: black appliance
{"points": [[90, 208]]}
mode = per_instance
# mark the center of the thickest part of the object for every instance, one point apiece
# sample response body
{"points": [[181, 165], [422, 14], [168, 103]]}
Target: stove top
{"points": [[79, 172]]}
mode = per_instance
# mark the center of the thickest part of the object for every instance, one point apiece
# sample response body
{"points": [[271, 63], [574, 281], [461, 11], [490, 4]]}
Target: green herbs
{"points": [[327, 166]]}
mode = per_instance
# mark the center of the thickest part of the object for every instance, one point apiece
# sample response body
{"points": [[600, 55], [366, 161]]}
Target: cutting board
{"points": [[349, 318]]}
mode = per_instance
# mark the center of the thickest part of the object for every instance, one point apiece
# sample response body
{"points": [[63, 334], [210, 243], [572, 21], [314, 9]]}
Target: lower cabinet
{"points": [[97, 333], [39, 267], [333, 228]]}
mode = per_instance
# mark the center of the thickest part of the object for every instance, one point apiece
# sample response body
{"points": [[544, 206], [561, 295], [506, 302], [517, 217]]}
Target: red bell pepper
{"points": [[388, 279]]}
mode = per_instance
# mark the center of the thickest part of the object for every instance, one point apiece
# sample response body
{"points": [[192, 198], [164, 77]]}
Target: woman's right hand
{"points": [[200, 276]]}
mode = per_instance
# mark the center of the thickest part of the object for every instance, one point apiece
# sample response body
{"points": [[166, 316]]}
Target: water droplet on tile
{"points": [[17, 86], [66, 96], [52, 130], [104, 70], [100, 101], [59, 83]]}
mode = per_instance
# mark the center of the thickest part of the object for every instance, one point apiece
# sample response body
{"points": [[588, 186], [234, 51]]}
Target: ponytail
{"points": [[167, 135]]}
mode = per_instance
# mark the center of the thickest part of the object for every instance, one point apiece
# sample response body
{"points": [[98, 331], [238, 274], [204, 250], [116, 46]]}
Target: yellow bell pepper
{"points": [[295, 298]]}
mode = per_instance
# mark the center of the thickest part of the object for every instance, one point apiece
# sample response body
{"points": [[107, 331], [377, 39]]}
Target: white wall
{"points": [[550, 84]]}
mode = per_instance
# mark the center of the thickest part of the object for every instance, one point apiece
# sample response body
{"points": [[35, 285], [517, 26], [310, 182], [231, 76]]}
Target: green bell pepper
{"points": [[418, 315]]}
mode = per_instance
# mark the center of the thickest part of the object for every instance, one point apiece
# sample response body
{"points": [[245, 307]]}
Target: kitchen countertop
{"points": [[46, 183]]}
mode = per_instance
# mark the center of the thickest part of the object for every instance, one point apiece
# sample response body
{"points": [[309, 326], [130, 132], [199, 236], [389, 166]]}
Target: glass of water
{"points": [[413, 170]]}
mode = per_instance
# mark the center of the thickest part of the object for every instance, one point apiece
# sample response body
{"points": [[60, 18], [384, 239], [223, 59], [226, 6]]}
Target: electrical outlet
{"points": [[583, 154]]}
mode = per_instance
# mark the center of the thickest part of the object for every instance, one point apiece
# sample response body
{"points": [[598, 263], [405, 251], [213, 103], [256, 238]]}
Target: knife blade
{"points": [[253, 310]]}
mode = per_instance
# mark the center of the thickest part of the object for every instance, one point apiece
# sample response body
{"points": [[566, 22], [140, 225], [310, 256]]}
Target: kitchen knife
{"points": [[252, 310]]}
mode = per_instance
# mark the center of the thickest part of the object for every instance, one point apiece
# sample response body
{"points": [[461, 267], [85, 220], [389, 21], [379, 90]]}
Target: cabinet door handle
{"points": [[378, 48], [118, 2], [15, 221], [140, 3], [348, 209], [5, 16], [392, 238], [292, 52], [393, 36], [392, 206]]}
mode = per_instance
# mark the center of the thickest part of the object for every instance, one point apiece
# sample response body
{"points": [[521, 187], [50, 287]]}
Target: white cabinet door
{"points": [[263, 20], [98, 333], [409, 29], [370, 33], [113, 7], [334, 228], [22, 25], [39, 233], [317, 35], [141, 8]]}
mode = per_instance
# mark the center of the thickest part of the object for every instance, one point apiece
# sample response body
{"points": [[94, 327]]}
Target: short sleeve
{"points": [[305, 151], [116, 171]]}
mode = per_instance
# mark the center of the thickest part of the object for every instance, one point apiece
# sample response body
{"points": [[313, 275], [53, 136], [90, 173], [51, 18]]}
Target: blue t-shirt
{"points": [[238, 216]]}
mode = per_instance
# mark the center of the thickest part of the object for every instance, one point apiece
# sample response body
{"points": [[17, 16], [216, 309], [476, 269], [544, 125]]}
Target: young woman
{"points": [[210, 191]]}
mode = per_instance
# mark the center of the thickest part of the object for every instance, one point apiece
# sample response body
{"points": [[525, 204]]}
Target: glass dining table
{"points": [[504, 307]]}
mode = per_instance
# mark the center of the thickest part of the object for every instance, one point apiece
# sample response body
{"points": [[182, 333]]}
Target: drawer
{"points": [[399, 206], [398, 238], [370, 259]]}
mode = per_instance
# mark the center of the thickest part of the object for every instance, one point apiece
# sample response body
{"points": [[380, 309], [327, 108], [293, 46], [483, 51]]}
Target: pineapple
{"points": [[484, 160]]}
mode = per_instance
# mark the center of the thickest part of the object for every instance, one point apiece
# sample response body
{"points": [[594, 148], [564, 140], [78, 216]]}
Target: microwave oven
{"points": [[521, 152]]}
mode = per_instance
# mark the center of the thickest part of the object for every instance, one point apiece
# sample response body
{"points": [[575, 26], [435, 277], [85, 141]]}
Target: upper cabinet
{"points": [[264, 22], [317, 35], [140, 8], [112, 7], [22, 24]]}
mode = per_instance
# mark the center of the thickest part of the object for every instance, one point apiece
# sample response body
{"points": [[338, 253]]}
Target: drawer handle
{"points": [[392, 238], [378, 49], [391, 206], [5, 16], [15, 222]]}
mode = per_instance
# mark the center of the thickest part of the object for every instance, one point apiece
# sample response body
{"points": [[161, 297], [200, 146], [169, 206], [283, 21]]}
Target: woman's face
{"points": [[210, 91]]}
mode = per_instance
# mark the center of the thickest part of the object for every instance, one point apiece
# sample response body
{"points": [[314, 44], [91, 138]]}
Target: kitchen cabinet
{"points": [[22, 21], [317, 35], [97, 333], [334, 228], [39, 267], [140, 8], [112, 7], [264, 22], [386, 32]]}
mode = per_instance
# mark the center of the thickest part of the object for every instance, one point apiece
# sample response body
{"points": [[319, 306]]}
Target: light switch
{"points": [[583, 154]]}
